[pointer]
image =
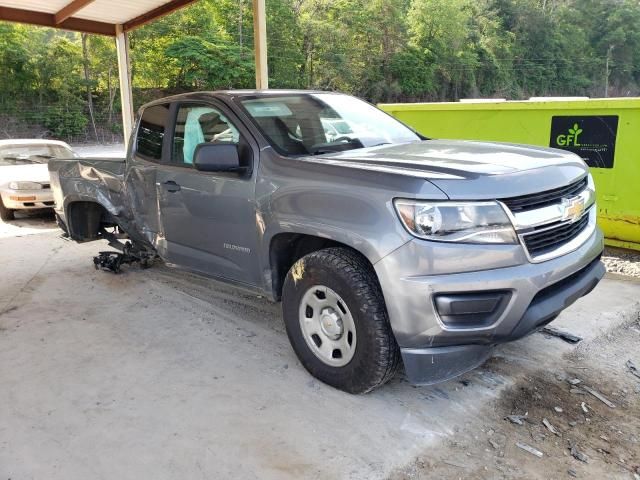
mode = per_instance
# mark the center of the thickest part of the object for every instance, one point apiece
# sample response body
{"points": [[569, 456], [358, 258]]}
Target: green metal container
{"points": [[605, 132]]}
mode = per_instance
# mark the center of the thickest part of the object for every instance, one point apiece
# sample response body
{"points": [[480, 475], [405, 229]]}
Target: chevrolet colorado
{"points": [[385, 247]]}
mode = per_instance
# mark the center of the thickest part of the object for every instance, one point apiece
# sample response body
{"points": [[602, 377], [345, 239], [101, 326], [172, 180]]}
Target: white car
{"points": [[24, 177]]}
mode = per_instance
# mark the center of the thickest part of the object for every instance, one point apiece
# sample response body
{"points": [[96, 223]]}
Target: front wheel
{"points": [[6, 214], [337, 321]]}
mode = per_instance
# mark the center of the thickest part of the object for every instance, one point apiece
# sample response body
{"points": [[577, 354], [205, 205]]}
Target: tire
{"points": [[6, 214], [352, 317]]}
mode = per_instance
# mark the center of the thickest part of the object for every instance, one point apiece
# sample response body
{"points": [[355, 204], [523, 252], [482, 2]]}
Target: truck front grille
{"points": [[547, 240], [543, 199]]}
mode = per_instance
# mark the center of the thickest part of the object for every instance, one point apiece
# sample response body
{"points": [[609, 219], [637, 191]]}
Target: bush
{"points": [[65, 121]]}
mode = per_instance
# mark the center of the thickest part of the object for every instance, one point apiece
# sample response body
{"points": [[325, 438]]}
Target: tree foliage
{"points": [[382, 50]]}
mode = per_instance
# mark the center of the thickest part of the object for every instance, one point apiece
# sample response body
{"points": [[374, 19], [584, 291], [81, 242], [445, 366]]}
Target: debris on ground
{"points": [[566, 336], [576, 453], [494, 444], [600, 397], [454, 464], [632, 368], [593, 439], [517, 419], [530, 449], [550, 427]]}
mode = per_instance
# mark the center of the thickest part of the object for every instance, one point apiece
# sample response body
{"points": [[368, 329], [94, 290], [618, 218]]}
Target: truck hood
{"points": [[469, 169], [35, 172]]}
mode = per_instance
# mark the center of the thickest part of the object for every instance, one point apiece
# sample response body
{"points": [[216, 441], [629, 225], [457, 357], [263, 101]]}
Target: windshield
{"points": [[317, 123], [25, 154]]}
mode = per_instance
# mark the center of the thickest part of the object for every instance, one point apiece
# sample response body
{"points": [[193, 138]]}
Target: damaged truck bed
{"points": [[98, 209]]}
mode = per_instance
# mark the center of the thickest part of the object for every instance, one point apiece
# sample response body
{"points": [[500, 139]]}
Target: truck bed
{"points": [[97, 180]]}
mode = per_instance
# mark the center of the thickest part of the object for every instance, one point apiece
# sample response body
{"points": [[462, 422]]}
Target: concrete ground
{"points": [[164, 375]]}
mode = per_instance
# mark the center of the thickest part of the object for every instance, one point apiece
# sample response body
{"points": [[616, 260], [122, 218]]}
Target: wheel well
{"points": [[86, 219], [287, 248]]}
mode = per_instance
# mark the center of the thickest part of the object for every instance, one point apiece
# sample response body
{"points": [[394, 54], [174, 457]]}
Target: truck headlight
{"points": [[464, 222], [25, 186]]}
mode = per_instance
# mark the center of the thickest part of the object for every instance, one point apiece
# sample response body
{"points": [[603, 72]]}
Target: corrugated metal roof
{"points": [[94, 16], [117, 11], [45, 6]]}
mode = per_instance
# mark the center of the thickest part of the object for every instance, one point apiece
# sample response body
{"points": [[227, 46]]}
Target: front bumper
{"points": [[27, 199], [434, 350]]}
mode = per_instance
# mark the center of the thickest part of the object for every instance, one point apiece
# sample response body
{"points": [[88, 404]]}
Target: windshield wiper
{"points": [[322, 152], [335, 147], [19, 159], [41, 155]]}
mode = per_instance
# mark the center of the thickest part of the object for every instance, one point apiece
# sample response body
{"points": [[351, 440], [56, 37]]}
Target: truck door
{"points": [[208, 219]]}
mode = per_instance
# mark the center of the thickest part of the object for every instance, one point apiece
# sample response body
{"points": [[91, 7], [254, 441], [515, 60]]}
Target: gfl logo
{"points": [[571, 139]]}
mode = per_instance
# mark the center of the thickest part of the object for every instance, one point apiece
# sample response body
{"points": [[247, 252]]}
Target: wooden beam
{"points": [[161, 11], [260, 44], [48, 20], [69, 10], [124, 75]]}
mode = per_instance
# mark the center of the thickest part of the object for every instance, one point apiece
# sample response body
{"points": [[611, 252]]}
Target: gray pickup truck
{"points": [[381, 244]]}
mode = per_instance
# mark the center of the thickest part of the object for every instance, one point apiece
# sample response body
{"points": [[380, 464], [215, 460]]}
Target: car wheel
{"points": [[337, 321], [6, 214]]}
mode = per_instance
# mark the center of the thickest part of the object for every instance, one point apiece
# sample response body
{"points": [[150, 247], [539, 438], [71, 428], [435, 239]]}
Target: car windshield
{"points": [[317, 123], [25, 154]]}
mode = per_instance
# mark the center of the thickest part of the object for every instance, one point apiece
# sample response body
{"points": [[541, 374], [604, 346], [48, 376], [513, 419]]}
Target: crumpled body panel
{"points": [[99, 180]]}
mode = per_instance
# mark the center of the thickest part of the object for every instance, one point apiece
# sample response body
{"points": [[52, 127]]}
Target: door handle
{"points": [[171, 186]]}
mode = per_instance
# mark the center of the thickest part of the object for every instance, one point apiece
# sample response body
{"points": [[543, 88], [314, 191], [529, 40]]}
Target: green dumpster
{"points": [[605, 132]]}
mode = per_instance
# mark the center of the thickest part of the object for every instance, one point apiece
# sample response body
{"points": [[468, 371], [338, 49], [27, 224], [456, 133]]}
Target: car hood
{"points": [[35, 172], [469, 169]]}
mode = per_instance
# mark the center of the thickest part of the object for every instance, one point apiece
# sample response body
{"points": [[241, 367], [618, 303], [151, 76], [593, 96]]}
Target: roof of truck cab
{"points": [[273, 91], [233, 93]]}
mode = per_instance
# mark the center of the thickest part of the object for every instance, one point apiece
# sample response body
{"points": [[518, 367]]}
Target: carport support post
{"points": [[260, 44], [124, 75]]}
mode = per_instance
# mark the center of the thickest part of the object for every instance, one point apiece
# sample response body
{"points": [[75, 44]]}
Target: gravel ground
{"points": [[550, 411], [623, 262]]}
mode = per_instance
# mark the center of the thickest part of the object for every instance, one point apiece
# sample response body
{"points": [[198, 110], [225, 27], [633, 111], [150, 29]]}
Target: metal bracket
{"points": [[129, 253]]}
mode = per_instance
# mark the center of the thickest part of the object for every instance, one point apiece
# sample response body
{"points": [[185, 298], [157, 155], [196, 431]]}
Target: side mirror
{"points": [[217, 157]]}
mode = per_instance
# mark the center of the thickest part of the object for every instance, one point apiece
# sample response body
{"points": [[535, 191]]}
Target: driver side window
{"points": [[196, 124]]}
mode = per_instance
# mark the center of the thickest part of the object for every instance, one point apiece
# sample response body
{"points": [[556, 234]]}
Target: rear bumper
{"points": [[27, 199], [450, 304]]}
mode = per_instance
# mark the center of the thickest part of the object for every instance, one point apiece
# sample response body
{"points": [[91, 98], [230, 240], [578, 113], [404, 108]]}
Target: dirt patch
{"points": [[553, 414]]}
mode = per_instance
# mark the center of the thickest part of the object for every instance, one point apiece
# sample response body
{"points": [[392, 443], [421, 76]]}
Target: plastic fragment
{"points": [[530, 449], [550, 427], [599, 396]]}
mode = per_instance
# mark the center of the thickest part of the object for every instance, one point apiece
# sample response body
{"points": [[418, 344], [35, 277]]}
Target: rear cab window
{"points": [[151, 132]]}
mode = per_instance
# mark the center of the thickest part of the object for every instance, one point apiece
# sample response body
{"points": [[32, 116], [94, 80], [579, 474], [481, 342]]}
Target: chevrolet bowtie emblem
{"points": [[573, 208]]}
